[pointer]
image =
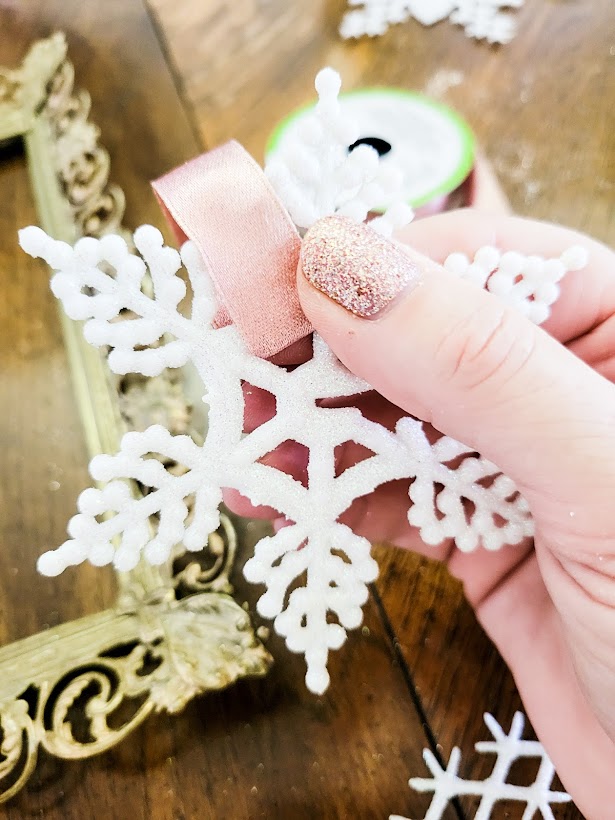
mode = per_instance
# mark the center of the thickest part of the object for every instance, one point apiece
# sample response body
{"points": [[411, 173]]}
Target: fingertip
{"points": [[485, 190]]}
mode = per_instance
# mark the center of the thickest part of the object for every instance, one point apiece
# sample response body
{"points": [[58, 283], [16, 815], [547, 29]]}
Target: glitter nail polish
{"points": [[355, 266]]}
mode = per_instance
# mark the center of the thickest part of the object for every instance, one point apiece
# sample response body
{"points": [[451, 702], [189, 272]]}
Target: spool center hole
{"points": [[382, 146]]}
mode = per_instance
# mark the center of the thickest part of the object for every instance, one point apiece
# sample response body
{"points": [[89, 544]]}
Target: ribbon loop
{"points": [[223, 202]]}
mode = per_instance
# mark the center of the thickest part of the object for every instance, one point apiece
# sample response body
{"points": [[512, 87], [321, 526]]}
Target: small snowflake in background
{"points": [[317, 175], [508, 748], [489, 20]]}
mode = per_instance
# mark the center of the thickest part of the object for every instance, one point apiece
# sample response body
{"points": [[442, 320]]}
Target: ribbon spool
{"points": [[429, 142]]}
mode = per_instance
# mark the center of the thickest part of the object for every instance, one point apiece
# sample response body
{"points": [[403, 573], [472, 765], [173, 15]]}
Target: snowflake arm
{"points": [[113, 526], [98, 279], [529, 284], [446, 784], [373, 18], [464, 508], [332, 585], [318, 175], [488, 20]]}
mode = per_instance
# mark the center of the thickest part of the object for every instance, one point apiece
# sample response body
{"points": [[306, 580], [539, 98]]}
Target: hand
{"points": [[541, 405]]}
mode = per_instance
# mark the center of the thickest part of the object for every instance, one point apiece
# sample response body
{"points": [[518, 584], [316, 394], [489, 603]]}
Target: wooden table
{"points": [[167, 81]]}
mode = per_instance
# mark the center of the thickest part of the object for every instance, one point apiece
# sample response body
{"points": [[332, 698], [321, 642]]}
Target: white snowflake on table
{"points": [[316, 174], [508, 748], [100, 279], [489, 20]]}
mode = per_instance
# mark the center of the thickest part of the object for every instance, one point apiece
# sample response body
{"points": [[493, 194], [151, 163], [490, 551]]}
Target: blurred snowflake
{"points": [[489, 20]]}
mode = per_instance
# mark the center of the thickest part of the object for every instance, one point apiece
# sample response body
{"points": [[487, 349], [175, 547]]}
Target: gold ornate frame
{"points": [[174, 631]]}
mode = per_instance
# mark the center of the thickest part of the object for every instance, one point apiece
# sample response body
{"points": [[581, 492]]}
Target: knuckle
{"points": [[485, 348]]}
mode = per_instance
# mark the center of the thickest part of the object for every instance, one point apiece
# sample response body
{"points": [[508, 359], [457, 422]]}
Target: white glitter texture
{"points": [[530, 284], [488, 20], [112, 526], [316, 176], [508, 748]]}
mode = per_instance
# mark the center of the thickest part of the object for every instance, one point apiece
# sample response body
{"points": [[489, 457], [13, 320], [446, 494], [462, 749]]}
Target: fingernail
{"points": [[355, 266]]}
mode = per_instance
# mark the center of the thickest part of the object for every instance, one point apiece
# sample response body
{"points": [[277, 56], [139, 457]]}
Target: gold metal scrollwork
{"points": [[78, 689], [93, 680]]}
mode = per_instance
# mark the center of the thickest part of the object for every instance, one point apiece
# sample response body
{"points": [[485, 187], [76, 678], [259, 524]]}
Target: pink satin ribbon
{"points": [[223, 202]]}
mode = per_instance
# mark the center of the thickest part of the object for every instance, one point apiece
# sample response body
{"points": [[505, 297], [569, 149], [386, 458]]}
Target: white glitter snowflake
{"points": [[99, 279], [489, 20], [316, 175], [530, 284], [508, 748]]}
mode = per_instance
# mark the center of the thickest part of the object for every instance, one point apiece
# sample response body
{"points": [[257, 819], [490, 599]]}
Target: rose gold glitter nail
{"points": [[355, 266]]}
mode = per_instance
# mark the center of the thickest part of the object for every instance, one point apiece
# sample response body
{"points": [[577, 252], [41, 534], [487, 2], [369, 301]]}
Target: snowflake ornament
{"points": [[488, 20], [318, 176], [99, 279], [315, 570], [446, 784]]}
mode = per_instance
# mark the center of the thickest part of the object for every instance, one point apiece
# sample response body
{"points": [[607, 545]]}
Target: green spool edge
{"points": [[466, 137]]}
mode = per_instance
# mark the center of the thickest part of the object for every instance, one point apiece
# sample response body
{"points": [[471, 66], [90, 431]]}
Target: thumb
{"points": [[457, 357]]}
